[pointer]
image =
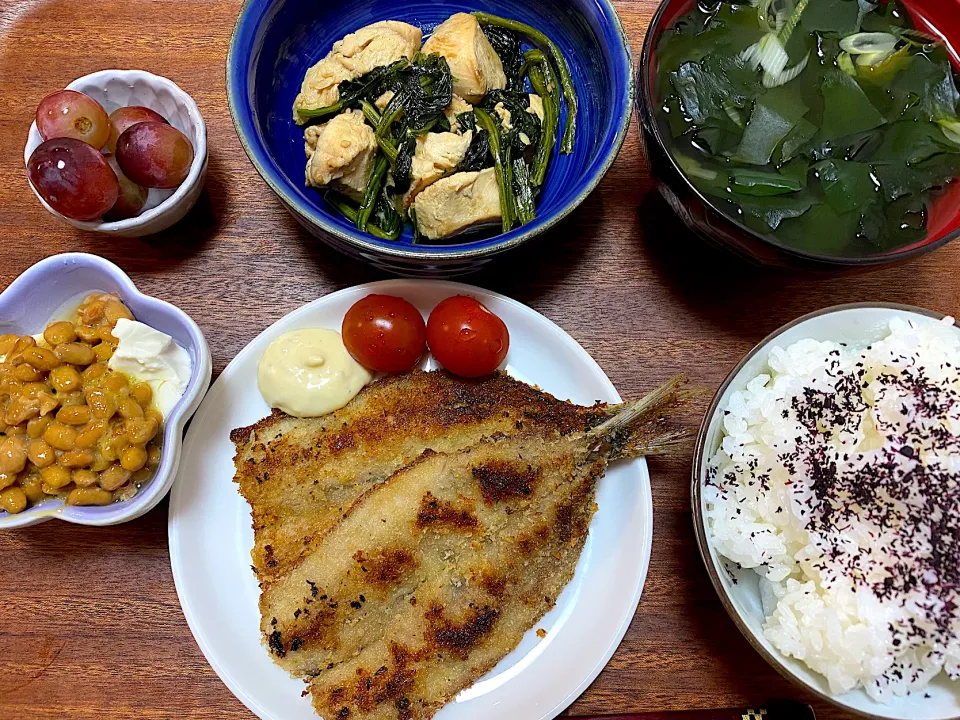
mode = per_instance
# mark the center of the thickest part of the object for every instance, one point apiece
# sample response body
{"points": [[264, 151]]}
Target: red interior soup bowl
{"points": [[719, 222]]}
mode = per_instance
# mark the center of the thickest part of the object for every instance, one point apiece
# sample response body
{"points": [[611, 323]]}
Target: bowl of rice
{"points": [[826, 501]]}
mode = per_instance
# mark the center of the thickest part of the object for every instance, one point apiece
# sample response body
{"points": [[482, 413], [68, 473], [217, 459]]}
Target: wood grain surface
{"points": [[90, 626]]}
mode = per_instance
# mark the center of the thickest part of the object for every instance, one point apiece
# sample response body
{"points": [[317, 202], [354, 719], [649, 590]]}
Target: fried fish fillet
{"points": [[433, 576], [301, 475]]}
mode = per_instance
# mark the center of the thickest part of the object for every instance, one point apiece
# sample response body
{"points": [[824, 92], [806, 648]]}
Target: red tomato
{"points": [[466, 338], [384, 333]]}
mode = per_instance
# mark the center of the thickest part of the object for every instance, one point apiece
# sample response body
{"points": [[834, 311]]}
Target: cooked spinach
{"points": [[506, 43], [407, 99], [545, 44], [829, 124]]}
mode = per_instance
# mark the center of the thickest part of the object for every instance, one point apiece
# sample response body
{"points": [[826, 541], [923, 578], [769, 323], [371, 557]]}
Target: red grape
{"points": [[125, 117], [70, 114], [155, 155], [74, 178], [131, 200]]}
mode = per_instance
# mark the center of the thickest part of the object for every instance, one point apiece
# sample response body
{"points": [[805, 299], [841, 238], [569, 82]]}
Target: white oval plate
{"points": [[211, 538], [858, 324]]}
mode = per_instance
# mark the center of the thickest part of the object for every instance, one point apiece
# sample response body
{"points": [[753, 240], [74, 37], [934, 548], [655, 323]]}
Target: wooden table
{"points": [[90, 626]]}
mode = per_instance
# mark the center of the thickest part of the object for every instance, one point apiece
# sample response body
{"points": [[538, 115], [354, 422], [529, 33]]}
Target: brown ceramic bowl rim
{"points": [[700, 458], [646, 104]]}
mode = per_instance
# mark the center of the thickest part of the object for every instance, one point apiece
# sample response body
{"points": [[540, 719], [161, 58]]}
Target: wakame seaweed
{"points": [[829, 124]]}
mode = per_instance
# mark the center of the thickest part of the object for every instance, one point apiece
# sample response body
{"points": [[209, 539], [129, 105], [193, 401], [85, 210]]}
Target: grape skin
{"points": [[125, 117], [68, 113], [154, 154], [73, 178], [131, 199]]}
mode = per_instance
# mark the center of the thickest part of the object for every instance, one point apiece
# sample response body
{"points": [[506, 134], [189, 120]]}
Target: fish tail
{"points": [[638, 428]]}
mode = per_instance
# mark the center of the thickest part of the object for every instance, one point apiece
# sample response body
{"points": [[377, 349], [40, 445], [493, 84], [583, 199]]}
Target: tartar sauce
{"points": [[307, 373]]}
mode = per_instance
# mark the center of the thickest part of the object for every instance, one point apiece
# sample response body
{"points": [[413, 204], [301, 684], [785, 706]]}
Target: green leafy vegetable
{"points": [[507, 46], [563, 71], [545, 86], [775, 114], [837, 17], [829, 124], [847, 110], [501, 163], [754, 182], [846, 185]]}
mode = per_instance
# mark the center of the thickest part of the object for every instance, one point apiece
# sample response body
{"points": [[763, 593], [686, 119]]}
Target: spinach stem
{"points": [[349, 211], [501, 166], [374, 185], [526, 206], [566, 81], [548, 129]]}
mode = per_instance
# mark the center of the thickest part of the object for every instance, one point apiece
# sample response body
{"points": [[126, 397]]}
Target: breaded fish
{"points": [[433, 576], [301, 475]]}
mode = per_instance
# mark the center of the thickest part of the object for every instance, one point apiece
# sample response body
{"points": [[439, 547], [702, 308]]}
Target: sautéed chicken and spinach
{"points": [[450, 134]]}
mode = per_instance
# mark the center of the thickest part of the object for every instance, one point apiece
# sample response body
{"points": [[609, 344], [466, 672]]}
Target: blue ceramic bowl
{"points": [[61, 281], [276, 41]]}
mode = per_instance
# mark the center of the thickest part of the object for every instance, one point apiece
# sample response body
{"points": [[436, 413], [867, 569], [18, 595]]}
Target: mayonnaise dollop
{"points": [[307, 373], [153, 357]]}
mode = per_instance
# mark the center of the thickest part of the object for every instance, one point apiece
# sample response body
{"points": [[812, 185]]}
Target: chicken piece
{"points": [[341, 154], [505, 116], [437, 155], [536, 106], [355, 55], [384, 100], [475, 65], [458, 202], [457, 107]]}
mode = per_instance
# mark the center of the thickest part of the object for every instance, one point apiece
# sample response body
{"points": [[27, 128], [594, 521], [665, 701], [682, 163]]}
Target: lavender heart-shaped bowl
{"points": [[47, 289]]}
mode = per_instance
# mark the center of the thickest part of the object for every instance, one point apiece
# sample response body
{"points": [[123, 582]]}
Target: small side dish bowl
{"points": [[276, 41], [118, 88], [739, 590], [49, 288], [706, 219]]}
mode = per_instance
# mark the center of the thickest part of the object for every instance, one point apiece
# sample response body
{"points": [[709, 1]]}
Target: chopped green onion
{"points": [[951, 129], [869, 43], [845, 63], [787, 28], [771, 81], [872, 59]]}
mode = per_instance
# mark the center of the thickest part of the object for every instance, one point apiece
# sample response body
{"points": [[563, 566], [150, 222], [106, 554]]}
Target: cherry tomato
{"points": [[384, 333], [68, 113], [466, 338]]}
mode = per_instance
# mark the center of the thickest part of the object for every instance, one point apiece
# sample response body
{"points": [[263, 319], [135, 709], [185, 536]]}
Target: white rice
{"points": [[838, 481]]}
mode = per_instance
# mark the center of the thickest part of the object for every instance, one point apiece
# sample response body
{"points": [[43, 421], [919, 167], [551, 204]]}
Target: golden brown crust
{"points": [[301, 476]]}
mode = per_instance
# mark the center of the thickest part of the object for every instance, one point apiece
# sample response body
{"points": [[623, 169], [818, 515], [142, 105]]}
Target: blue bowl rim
{"points": [[648, 123], [369, 244]]}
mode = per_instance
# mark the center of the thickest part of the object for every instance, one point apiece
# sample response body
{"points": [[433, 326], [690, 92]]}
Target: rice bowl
{"points": [[817, 528]]}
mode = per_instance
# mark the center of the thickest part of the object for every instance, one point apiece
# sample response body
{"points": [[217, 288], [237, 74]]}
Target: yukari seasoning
{"points": [[838, 481]]}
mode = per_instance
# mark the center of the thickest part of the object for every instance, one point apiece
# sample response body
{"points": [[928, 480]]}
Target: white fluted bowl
{"points": [[119, 88]]}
